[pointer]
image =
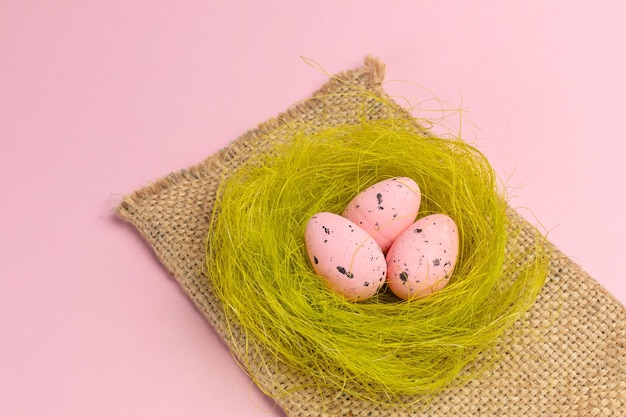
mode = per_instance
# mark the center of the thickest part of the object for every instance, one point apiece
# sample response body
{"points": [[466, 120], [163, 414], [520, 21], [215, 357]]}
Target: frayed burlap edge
{"points": [[567, 358]]}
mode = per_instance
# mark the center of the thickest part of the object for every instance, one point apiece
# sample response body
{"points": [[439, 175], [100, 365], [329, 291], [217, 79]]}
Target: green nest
{"points": [[384, 349]]}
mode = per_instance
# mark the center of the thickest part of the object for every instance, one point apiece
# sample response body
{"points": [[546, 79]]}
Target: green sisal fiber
{"points": [[383, 349]]}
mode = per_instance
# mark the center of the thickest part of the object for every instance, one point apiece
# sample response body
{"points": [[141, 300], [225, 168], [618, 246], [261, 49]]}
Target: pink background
{"points": [[99, 98]]}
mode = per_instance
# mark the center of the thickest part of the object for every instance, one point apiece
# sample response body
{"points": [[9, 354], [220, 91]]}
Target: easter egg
{"points": [[385, 209], [421, 260], [350, 261]]}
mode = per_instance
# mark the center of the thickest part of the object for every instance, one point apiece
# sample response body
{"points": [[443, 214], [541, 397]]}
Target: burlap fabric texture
{"points": [[568, 359]]}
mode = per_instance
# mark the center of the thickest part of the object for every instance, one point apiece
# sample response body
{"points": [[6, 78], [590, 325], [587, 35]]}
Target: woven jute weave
{"points": [[568, 358]]}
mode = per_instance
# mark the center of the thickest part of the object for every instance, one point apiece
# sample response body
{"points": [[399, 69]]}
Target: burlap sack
{"points": [[569, 359]]}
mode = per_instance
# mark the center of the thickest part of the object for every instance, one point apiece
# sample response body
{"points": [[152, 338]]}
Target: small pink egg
{"points": [[345, 255], [385, 209], [422, 258]]}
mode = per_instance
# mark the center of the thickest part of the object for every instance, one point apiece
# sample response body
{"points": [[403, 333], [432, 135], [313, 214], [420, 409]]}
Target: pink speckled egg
{"points": [[421, 260], [345, 255], [385, 209]]}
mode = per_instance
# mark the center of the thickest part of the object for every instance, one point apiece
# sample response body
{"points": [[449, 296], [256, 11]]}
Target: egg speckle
{"points": [[385, 209], [421, 260], [348, 258]]}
